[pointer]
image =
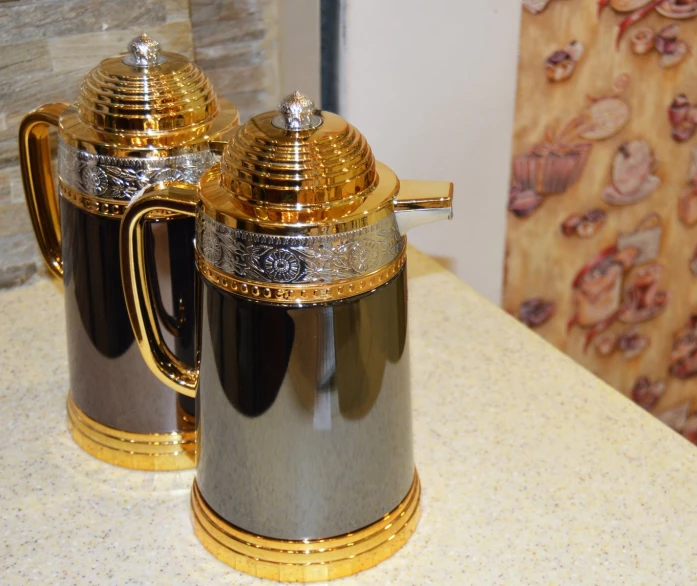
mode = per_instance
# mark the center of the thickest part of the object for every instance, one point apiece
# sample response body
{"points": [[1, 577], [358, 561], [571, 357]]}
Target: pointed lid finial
{"points": [[144, 51], [297, 113]]}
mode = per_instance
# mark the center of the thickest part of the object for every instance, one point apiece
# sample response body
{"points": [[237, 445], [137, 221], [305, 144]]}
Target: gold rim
{"points": [[139, 451], [311, 560], [300, 294]]}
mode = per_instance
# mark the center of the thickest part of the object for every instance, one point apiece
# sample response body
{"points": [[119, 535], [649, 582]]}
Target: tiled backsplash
{"points": [[47, 48]]}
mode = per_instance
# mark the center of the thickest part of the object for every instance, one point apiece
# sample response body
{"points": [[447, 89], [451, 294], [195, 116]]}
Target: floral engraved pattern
{"points": [[122, 178], [363, 256], [282, 266], [298, 259], [95, 180], [211, 244]]}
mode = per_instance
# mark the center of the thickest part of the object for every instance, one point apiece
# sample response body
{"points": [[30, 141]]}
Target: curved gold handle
{"points": [[178, 198], [35, 161]]}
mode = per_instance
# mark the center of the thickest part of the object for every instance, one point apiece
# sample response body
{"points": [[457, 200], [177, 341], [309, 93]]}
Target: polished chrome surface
{"points": [[304, 414], [109, 380], [121, 178], [311, 260], [297, 113], [144, 52]]}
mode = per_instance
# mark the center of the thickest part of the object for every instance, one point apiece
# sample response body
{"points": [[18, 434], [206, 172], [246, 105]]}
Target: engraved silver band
{"points": [[121, 178], [298, 259]]}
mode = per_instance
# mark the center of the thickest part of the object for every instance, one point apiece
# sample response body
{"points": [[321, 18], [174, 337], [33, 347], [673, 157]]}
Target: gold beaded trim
{"points": [[304, 293], [98, 205]]}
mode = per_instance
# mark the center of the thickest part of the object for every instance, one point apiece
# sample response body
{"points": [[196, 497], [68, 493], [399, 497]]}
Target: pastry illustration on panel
{"points": [[584, 225], [554, 164], [536, 311], [597, 289], [560, 64], [618, 284], [523, 202], [632, 174], [687, 207], [642, 41], [687, 202], [693, 262], [646, 393], [678, 9], [645, 239], [682, 116], [643, 296], [550, 167], [674, 50], [630, 343], [676, 417], [671, 49], [683, 354], [689, 429], [535, 6], [606, 343], [624, 5], [606, 115]]}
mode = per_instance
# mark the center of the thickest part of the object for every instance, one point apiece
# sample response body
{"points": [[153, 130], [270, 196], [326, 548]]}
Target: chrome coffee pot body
{"points": [[305, 467], [142, 117]]}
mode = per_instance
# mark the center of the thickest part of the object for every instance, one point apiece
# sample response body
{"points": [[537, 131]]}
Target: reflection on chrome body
{"points": [[109, 380], [305, 422]]}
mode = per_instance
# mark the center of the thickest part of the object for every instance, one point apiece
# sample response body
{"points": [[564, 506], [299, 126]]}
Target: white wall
{"points": [[432, 85]]}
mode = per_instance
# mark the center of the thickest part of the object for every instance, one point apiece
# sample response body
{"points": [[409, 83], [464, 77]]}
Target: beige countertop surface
{"points": [[533, 471]]}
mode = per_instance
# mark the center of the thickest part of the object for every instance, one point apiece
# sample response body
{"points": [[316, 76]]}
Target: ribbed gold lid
{"points": [[147, 92], [299, 165]]}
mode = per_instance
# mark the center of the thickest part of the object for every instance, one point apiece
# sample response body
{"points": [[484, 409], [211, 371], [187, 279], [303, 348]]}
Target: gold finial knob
{"points": [[144, 52], [297, 113]]}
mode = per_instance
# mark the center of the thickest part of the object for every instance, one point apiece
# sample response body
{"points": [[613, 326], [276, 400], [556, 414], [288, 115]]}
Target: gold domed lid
{"points": [[147, 93], [298, 164]]}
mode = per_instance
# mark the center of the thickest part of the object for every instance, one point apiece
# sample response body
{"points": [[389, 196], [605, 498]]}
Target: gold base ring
{"points": [[312, 560], [139, 451]]}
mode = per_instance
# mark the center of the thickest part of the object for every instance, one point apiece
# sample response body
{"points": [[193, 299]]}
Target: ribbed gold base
{"points": [[312, 560], [140, 451]]}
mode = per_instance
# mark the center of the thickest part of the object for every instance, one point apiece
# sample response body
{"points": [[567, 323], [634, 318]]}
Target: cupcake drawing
{"points": [[632, 174]]}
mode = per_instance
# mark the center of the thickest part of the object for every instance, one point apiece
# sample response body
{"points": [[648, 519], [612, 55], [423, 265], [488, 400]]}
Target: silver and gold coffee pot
{"points": [[305, 467], [142, 117]]}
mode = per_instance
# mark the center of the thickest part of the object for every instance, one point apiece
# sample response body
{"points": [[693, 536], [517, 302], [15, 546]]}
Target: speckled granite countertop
{"points": [[533, 471]]}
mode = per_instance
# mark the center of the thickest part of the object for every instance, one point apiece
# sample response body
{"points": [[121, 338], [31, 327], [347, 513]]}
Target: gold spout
{"points": [[421, 202]]}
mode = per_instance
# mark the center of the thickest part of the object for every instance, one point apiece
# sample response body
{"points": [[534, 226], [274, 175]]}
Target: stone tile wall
{"points": [[48, 46], [235, 42]]}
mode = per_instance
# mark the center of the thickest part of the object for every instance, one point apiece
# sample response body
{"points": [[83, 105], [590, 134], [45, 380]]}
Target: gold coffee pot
{"points": [[141, 118], [305, 467]]}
